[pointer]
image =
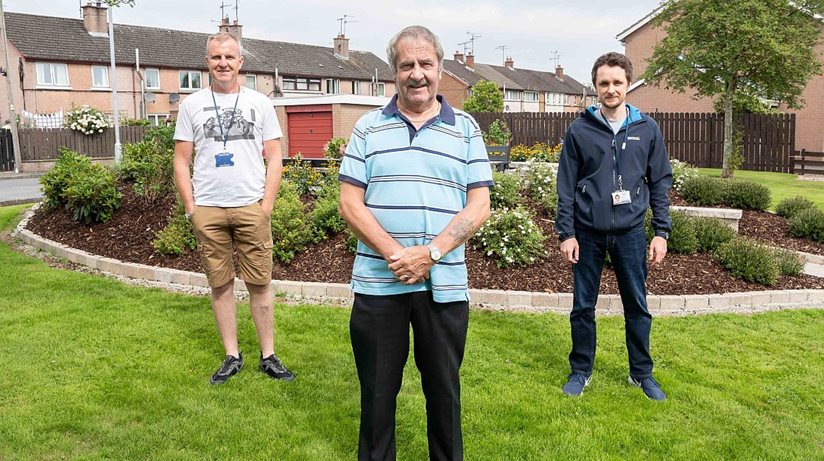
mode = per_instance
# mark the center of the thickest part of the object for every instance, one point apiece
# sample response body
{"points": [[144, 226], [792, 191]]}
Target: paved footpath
{"points": [[16, 189]]}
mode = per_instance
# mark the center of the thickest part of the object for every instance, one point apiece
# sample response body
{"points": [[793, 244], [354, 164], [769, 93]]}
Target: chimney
{"points": [[459, 56], [95, 18], [235, 29], [470, 60], [342, 46], [559, 73], [509, 63]]}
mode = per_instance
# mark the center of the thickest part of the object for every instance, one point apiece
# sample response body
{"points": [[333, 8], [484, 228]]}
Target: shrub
{"points": [[809, 224], [683, 237], [292, 230], [163, 134], [91, 194], [538, 151], [334, 148], [86, 120], [497, 134], [511, 237], [702, 190], [746, 195], [150, 165], [302, 175], [506, 193], [56, 180], [351, 241], [177, 236], [791, 206], [711, 232], [681, 171], [326, 218], [749, 261], [789, 262], [539, 181], [135, 122]]}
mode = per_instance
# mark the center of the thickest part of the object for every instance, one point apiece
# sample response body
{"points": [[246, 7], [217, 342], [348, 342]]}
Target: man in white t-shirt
{"points": [[230, 198]]}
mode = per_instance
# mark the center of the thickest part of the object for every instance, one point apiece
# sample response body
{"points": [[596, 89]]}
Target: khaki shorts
{"points": [[249, 228]]}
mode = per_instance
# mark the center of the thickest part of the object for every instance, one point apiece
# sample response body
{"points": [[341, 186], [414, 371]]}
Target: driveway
{"points": [[19, 190]]}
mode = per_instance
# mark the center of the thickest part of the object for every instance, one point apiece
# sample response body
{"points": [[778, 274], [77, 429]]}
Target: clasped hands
{"points": [[411, 264]]}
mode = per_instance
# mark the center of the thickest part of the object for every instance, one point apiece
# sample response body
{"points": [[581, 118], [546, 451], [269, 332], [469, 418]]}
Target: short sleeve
{"points": [[479, 171], [353, 165], [271, 127], [183, 125]]}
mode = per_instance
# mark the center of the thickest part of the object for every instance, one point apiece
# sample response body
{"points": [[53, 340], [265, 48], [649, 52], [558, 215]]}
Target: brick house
{"points": [[57, 63], [524, 90], [640, 38]]}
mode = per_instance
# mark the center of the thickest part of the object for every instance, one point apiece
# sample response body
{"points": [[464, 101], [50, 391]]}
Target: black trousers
{"points": [[379, 328]]}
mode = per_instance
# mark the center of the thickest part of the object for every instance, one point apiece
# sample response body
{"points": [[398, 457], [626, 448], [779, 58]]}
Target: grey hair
{"points": [[413, 32], [221, 37]]}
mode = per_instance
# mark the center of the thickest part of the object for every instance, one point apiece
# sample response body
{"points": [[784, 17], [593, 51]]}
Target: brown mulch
{"points": [[128, 236]]}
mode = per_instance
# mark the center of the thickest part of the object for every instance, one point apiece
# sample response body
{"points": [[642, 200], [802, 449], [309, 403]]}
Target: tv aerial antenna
{"points": [[343, 22]]}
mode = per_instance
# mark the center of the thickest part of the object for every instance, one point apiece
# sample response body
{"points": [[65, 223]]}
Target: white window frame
{"points": [[530, 96], [189, 74], [50, 68], [355, 87], [301, 84], [251, 81], [155, 72], [105, 77], [155, 119], [332, 86], [380, 89], [512, 95]]}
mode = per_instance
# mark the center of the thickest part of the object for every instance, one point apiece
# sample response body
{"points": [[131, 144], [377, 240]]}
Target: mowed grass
{"points": [[96, 369], [782, 185]]}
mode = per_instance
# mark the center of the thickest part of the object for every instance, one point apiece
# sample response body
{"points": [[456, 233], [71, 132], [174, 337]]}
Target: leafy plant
{"points": [[56, 180], [292, 230], [177, 236], [506, 193], [746, 195], [497, 134], [162, 134], [681, 172], [791, 206], [334, 148], [702, 190], [135, 122], [511, 237], [302, 175], [809, 224], [789, 262], [91, 194], [150, 165], [538, 151], [326, 218], [711, 233], [86, 120], [749, 261], [485, 97], [682, 238], [539, 181]]}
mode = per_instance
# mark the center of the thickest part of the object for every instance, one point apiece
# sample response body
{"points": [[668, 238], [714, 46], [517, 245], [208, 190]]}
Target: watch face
{"points": [[434, 253]]}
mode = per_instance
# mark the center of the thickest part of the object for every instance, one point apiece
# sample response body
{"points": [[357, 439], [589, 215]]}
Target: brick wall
{"points": [[454, 90]]}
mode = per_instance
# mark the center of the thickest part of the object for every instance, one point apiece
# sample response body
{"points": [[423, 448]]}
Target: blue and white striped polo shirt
{"points": [[415, 182]]}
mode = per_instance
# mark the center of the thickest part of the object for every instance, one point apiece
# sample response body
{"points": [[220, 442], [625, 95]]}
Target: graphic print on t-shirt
{"points": [[235, 125]]}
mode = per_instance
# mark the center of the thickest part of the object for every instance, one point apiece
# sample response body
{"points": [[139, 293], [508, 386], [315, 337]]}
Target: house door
{"points": [[6, 150], [310, 128]]}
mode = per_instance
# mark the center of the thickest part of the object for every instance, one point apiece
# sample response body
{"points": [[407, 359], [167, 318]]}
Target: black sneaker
{"points": [[650, 387], [274, 368], [230, 366]]}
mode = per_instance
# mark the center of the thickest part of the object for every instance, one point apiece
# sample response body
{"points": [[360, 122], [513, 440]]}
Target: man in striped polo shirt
{"points": [[414, 187]]}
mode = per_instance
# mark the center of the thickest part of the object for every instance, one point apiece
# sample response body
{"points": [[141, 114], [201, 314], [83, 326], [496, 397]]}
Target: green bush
{"points": [[506, 193], [150, 165], [326, 218], [809, 224], [292, 229], [163, 134], [746, 195], [540, 183], [711, 233], [177, 236], [91, 194], [511, 237], [681, 171], [497, 134], [56, 180], [302, 175], [703, 190], [789, 263], [135, 122], [749, 261], [334, 147], [351, 241], [682, 238], [791, 206]]}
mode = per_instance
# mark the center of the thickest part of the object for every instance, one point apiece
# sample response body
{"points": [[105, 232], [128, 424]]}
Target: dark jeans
{"points": [[628, 252], [379, 328]]}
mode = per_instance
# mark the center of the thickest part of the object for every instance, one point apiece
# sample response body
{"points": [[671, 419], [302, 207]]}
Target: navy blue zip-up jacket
{"points": [[591, 160]]}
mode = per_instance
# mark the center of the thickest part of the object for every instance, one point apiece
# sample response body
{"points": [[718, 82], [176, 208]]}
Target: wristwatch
{"points": [[662, 234], [434, 252]]}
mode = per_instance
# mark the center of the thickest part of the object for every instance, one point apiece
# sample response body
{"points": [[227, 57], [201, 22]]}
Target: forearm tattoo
{"points": [[462, 230]]}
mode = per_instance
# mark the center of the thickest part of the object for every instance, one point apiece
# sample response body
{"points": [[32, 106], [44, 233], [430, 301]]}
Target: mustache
{"points": [[411, 83]]}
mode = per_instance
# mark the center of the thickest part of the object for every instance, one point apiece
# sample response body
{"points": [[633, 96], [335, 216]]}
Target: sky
{"points": [[534, 32]]}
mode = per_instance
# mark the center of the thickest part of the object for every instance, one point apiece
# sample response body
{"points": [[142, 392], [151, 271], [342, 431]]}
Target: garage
{"points": [[310, 128]]}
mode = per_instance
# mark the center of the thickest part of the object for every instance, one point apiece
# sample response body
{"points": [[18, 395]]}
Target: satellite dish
{"points": [[150, 97], [174, 97], [506, 108]]}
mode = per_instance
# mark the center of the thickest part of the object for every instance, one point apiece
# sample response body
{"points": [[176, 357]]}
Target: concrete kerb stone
{"points": [[520, 301]]}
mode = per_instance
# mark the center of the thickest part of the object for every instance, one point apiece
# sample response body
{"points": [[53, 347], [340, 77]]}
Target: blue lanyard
{"points": [[223, 135]]}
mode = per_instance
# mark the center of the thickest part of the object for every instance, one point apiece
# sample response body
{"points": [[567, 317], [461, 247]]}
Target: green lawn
{"points": [[95, 369], [782, 185]]}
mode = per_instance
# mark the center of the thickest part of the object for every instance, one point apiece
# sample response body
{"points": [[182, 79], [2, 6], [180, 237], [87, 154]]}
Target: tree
{"points": [[119, 2], [485, 97], [737, 47]]}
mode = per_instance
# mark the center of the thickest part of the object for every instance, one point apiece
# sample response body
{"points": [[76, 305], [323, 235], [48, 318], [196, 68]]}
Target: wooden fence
{"points": [[807, 162], [696, 138], [43, 144]]}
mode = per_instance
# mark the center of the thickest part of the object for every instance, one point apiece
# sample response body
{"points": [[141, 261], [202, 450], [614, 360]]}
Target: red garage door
{"points": [[310, 127]]}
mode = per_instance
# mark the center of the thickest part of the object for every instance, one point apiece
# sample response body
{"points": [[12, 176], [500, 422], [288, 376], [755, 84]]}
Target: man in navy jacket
{"points": [[613, 167]]}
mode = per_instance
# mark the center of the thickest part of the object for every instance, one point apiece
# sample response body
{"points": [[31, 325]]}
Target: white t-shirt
{"points": [[235, 176]]}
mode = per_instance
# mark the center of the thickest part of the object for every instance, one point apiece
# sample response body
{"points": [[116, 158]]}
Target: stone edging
{"points": [[517, 301]]}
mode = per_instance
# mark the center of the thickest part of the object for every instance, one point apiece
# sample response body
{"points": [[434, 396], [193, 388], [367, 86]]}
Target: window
{"points": [[355, 87], [50, 74], [512, 95], [299, 83], [531, 96], [100, 77], [152, 78], [332, 86], [381, 89], [190, 80], [251, 81], [158, 119]]}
